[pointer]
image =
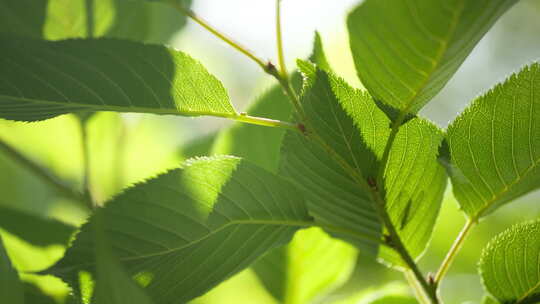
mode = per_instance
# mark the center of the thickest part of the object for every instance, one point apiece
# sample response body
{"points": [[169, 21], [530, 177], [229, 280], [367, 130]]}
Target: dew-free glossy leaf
{"points": [[11, 289], [189, 229], [43, 79], [405, 51], [510, 263], [63, 19], [494, 145]]}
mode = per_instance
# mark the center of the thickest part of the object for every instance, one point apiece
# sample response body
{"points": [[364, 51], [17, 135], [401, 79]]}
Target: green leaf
{"points": [[63, 19], [113, 284], [415, 183], [355, 130], [47, 79], [33, 295], [287, 277], [489, 300], [334, 198], [405, 51], [510, 262], [261, 144], [395, 300], [11, 288], [34, 229], [199, 146], [307, 269], [191, 228], [494, 145], [318, 56]]}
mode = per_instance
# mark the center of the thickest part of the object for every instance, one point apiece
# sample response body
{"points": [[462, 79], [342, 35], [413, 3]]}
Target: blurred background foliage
{"points": [[125, 149]]}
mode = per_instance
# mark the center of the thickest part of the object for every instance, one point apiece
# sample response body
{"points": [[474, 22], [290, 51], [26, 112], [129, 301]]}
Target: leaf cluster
{"points": [[317, 173]]}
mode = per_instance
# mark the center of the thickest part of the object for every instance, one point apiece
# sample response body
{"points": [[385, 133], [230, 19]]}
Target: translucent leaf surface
{"points": [[510, 263], [405, 51], [189, 229], [47, 79], [356, 130], [494, 145]]}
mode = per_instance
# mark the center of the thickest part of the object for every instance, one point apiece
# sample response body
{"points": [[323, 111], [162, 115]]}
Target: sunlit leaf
{"points": [[334, 198], [405, 51], [189, 229], [356, 130], [494, 145], [47, 79], [510, 263]]}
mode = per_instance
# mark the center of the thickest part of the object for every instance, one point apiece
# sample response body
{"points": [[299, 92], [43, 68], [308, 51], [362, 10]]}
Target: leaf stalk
{"points": [[261, 121], [451, 255]]}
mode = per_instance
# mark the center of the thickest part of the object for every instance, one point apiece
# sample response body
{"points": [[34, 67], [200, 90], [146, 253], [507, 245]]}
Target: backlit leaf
{"points": [[187, 230], [494, 145], [405, 51], [510, 263], [355, 129], [46, 79]]}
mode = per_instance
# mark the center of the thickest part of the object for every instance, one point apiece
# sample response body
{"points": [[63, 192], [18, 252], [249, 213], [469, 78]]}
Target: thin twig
{"points": [[191, 14], [267, 66], [279, 42]]}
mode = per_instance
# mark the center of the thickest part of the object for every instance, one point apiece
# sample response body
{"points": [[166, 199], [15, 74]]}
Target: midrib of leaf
{"points": [[506, 188], [438, 58], [519, 175], [106, 107], [341, 230], [528, 293]]}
